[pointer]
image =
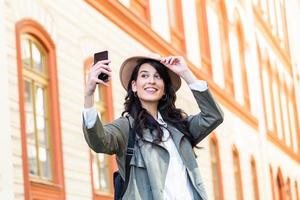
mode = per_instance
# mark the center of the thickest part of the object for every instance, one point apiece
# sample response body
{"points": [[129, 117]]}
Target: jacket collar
{"points": [[176, 134]]}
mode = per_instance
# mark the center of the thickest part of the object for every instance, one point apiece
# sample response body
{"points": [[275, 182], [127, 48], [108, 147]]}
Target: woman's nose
{"points": [[151, 79]]}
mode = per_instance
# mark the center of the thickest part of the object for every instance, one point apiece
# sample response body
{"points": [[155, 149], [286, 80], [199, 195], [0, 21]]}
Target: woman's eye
{"points": [[157, 76], [144, 75]]}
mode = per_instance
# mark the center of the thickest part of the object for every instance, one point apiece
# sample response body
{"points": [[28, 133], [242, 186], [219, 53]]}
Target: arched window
{"points": [[39, 112], [237, 174], [254, 179], [296, 191], [102, 165], [239, 63], [277, 105], [285, 113], [280, 186], [273, 14], [266, 81], [219, 44], [288, 190], [216, 168], [272, 182]]}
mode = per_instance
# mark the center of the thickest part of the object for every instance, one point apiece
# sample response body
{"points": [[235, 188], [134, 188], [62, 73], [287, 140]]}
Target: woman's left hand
{"points": [[176, 64]]}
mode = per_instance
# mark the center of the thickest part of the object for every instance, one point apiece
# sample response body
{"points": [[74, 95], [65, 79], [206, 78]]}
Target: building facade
{"points": [[247, 51]]}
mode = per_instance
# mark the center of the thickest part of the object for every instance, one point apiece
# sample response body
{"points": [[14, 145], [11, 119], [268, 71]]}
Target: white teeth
{"points": [[150, 89]]}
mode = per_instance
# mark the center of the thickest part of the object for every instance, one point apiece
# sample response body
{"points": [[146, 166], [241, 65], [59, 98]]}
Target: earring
{"points": [[164, 97]]}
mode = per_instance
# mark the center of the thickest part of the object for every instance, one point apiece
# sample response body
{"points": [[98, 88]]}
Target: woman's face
{"points": [[149, 85]]}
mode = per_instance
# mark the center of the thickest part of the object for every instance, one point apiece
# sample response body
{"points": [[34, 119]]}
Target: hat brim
{"points": [[129, 65]]}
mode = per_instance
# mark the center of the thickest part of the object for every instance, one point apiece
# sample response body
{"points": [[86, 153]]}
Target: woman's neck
{"points": [[151, 108]]}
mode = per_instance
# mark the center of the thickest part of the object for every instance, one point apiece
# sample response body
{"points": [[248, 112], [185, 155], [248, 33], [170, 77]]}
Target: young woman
{"points": [[163, 165]]}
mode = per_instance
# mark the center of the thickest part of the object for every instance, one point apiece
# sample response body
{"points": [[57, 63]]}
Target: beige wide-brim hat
{"points": [[130, 63]]}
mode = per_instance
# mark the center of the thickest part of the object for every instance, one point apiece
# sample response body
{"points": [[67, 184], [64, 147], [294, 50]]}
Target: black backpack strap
{"points": [[129, 153]]}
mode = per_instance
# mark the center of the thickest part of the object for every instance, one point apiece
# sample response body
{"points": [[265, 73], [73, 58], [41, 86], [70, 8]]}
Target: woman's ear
{"points": [[133, 86]]}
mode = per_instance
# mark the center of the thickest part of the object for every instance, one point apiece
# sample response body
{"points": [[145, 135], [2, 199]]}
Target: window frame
{"points": [[34, 85], [214, 141], [134, 5], [265, 63], [37, 188], [221, 11], [288, 189], [273, 77], [296, 190], [242, 60], [255, 186], [280, 192], [272, 181], [264, 17], [237, 180], [37, 79]]}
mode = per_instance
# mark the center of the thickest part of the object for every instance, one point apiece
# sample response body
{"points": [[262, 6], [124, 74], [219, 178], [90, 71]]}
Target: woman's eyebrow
{"points": [[144, 71]]}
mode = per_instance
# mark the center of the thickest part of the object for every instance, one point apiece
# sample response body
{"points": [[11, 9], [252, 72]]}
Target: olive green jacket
{"points": [[149, 163]]}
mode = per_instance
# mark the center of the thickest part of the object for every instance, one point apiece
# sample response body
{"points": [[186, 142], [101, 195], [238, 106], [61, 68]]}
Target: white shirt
{"points": [[177, 185]]}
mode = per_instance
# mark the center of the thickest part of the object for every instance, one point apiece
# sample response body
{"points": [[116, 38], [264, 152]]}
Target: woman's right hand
{"points": [[95, 70], [91, 84]]}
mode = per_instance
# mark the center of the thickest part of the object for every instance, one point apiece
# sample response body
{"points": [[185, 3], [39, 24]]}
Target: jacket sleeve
{"points": [[208, 119], [110, 138]]}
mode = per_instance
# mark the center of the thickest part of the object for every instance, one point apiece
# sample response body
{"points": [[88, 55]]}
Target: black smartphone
{"points": [[103, 55]]}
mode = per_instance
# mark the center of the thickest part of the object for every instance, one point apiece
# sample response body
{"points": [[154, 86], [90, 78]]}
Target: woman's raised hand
{"points": [[175, 63], [178, 65], [95, 70]]}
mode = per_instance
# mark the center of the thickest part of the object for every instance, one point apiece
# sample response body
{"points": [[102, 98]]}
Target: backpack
{"points": [[120, 185]]}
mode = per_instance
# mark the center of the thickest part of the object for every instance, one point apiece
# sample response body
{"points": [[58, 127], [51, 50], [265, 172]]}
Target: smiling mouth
{"points": [[151, 89]]}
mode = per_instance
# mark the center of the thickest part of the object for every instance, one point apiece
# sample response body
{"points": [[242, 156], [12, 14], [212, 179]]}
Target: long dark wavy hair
{"points": [[166, 106]]}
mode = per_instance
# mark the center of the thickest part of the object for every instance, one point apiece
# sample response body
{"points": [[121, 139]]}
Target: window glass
{"points": [[26, 55], [37, 58], [36, 116]]}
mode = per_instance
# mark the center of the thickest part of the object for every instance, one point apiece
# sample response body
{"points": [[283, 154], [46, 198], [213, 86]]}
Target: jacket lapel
{"points": [[176, 136], [149, 138]]}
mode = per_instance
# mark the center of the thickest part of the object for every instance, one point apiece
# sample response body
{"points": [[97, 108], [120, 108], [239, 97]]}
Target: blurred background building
{"points": [[247, 51]]}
